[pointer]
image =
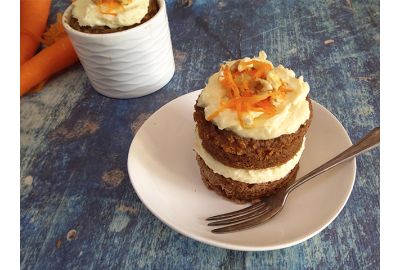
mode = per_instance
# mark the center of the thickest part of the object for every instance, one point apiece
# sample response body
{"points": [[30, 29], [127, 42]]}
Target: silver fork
{"points": [[268, 207]]}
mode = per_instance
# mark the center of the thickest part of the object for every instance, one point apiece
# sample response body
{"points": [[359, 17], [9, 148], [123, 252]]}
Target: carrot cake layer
{"points": [[245, 175], [247, 153], [242, 192]]}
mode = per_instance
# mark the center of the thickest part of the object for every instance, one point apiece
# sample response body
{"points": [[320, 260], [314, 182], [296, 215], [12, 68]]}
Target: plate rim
{"points": [[215, 243]]}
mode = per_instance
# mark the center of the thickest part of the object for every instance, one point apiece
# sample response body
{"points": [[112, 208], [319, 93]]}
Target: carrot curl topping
{"points": [[110, 7], [245, 90]]}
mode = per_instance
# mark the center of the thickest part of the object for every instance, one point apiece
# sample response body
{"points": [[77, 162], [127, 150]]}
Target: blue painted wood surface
{"points": [[78, 208]]}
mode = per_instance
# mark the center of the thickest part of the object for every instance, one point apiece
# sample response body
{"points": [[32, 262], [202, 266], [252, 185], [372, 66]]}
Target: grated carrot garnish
{"points": [[229, 83], [243, 90], [110, 7]]}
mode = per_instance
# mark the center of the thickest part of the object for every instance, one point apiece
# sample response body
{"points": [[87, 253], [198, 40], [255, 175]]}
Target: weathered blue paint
{"points": [[74, 142]]}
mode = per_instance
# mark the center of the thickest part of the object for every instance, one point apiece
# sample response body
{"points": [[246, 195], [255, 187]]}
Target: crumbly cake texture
{"points": [[152, 11], [246, 153], [242, 192]]}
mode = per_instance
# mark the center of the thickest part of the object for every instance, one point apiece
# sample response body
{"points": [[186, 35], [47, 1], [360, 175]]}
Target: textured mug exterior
{"points": [[129, 63]]}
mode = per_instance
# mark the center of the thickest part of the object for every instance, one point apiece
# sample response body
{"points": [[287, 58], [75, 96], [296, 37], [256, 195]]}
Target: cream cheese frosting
{"points": [[291, 112], [88, 13], [247, 176]]}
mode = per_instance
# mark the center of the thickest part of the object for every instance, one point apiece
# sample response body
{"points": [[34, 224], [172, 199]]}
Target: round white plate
{"points": [[165, 175]]}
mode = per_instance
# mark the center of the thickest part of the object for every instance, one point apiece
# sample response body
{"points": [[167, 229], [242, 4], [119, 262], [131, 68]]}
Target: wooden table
{"points": [[78, 208]]}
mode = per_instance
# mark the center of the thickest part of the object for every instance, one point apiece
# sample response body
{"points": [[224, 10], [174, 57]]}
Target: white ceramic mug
{"points": [[130, 63]]}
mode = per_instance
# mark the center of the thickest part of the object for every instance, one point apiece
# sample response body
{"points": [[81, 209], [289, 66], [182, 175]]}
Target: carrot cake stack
{"points": [[251, 121]]}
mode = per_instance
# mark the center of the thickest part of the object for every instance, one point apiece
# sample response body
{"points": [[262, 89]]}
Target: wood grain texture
{"points": [[74, 142]]}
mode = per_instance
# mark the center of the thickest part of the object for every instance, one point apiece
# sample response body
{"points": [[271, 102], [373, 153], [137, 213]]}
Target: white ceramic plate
{"points": [[165, 175]]}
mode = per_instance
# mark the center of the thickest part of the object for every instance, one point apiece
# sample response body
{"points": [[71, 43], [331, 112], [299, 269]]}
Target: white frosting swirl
{"points": [[89, 14], [247, 176], [291, 112]]}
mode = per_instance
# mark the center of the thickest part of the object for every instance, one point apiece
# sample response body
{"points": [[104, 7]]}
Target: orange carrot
{"points": [[229, 83], [109, 6], [33, 20], [267, 106], [46, 63], [243, 93]]}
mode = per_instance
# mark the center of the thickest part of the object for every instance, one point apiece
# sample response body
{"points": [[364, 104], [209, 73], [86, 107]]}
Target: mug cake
{"points": [[124, 45]]}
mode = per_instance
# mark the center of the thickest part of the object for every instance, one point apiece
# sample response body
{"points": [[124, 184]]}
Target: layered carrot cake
{"points": [[251, 121], [109, 16]]}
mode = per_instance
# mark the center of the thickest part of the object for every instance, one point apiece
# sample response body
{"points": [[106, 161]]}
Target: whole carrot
{"points": [[33, 21], [46, 63]]}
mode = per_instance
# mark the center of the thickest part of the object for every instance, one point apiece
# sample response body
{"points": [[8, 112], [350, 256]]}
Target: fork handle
{"points": [[369, 141]]}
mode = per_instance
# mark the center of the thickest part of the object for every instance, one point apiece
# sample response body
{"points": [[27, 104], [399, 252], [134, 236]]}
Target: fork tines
{"points": [[243, 211], [251, 216]]}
